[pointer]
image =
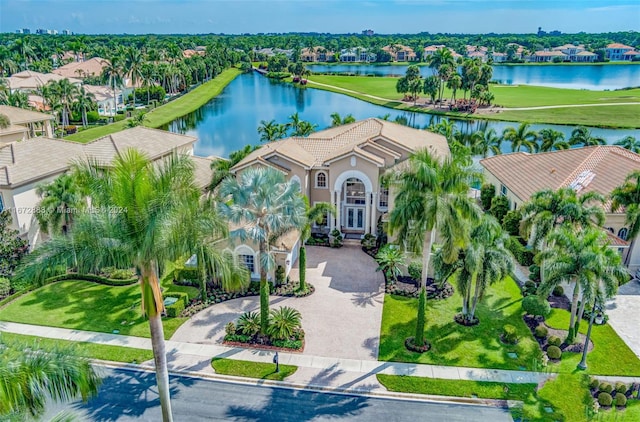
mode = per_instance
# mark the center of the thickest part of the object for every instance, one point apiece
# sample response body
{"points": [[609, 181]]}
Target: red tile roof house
{"points": [[401, 53], [616, 51], [590, 169], [547, 56]]}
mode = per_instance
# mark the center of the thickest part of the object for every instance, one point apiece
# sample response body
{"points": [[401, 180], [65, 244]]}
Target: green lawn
{"points": [[90, 350], [453, 344], [86, 306], [167, 112], [243, 368], [610, 355]]}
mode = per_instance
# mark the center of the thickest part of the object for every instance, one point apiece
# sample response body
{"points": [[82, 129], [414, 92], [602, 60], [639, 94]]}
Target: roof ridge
{"points": [[581, 167]]}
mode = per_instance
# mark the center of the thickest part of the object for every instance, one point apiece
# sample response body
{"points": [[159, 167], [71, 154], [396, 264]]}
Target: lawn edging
{"points": [[249, 369]]}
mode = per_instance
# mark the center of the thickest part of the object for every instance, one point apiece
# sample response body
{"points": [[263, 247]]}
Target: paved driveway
{"points": [[341, 319], [624, 314]]}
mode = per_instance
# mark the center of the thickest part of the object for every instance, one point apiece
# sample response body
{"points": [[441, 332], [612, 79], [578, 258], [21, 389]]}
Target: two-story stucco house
{"points": [[342, 166]]}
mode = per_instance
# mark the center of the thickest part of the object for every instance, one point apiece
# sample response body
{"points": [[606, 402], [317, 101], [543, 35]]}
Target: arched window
{"points": [[623, 233], [321, 180]]}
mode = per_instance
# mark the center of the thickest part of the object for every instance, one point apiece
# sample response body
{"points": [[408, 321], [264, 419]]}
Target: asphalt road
{"points": [[132, 396]]}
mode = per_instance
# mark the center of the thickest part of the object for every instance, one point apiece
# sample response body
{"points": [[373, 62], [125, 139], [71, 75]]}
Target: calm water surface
{"points": [[230, 121], [595, 77]]}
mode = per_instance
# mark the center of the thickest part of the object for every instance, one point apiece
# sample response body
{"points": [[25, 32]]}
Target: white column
{"points": [[332, 201], [374, 219], [338, 206], [367, 212]]}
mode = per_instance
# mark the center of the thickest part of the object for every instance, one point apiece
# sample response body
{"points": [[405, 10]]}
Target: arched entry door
{"points": [[354, 201]]}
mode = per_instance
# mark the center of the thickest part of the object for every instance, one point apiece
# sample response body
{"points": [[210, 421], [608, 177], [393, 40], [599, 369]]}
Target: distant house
{"points": [[547, 56], [589, 169], [498, 57], [631, 55], [400, 53], [430, 50], [104, 98], [482, 55], [357, 54], [316, 54], [273, 51], [616, 51], [83, 69], [585, 57], [518, 50], [24, 124], [28, 81], [570, 50]]}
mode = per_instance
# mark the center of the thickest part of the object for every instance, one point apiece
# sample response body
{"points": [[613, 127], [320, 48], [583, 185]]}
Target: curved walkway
{"points": [[341, 319]]}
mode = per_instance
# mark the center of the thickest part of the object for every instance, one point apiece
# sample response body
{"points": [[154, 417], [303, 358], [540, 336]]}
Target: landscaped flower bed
{"points": [[607, 395], [284, 331]]}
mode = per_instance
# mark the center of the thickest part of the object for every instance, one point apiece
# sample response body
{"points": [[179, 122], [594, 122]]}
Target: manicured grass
{"points": [[457, 388], [243, 368], [610, 355], [90, 350], [86, 306], [167, 112], [453, 344]]}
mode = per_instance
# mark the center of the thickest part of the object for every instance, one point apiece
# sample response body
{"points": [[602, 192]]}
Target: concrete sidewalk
{"points": [[317, 370]]}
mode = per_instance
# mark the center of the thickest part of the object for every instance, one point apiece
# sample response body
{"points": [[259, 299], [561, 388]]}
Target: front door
{"points": [[355, 218]]}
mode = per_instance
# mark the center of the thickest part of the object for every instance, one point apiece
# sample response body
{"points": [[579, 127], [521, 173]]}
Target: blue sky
{"points": [[344, 16]]}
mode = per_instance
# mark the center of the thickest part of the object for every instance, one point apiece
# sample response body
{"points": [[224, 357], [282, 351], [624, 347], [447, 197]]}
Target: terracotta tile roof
{"points": [[589, 169], [202, 170], [19, 116], [35, 81], [549, 53], [314, 151], [618, 45], [586, 53], [91, 67], [615, 240], [631, 53]]}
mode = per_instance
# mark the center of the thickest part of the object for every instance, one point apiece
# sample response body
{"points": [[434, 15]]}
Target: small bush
{"points": [[5, 287], [487, 192], [511, 222], [605, 399], [509, 334], [530, 288], [415, 271], [558, 291], [621, 400], [621, 387], [368, 241], [175, 309], [536, 306], [230, 329], [554, 352], [606, 387], [541, 331], [554, 341], [122, 274], [499, 207], [280, 275], [534, 272], [594, 384], [249, 324]]}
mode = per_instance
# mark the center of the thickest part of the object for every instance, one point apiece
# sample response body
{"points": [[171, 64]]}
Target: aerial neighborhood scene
{"points": [[320, 210]]}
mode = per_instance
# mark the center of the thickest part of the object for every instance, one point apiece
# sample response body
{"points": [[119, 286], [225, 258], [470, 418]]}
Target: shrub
{"points": [[541, 331], [337, 239], [92, 277], [606, 387], [230, 329], [530, 288], [5, 287], [499, 207], [509, 334], [523, 255], [536, 306], [415, 271], [176, 308], [288, 344], [554, 341], [621, 400], [558, 291], [280, 275], [249, 324], [92, 116], [368, 241], [283, 322], [511, 222], [70, 129], [621, 387], [487, 192], [594, 384], [554, 352], [534, 272], [605, 399]]}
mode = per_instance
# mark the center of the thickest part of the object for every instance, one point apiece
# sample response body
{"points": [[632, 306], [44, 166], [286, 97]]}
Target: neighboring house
{"points": [[482, 55], [616, 51], [430, 50], [631, 55], [498, 57], [273, 51], [316, 54], [585, 57], [26, 164], [82, 69], [28, 81], [518, 50], [570, 50], [24, 124], [547, 56], [190, 53], [104, 98], [589, 169], [357, 54], [342, 166], [400, 53]]}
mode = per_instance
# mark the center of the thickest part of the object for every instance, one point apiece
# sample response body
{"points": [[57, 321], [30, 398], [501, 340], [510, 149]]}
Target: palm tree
{"points": [[493, 141], [113, 72], [133, 62], [337, 120], [147, 75], [137, 216], [84, 101], [25, 49], [551, 140], [631, 143], [304, 129], [432, 199], [583, 259], [583, 137], [454, 83], [61, 200], [316, 214], [628, 196], [271, 131], [485, 260], [222, 168], [521, 137], [389, 259], [264, 206], [31, 375]]}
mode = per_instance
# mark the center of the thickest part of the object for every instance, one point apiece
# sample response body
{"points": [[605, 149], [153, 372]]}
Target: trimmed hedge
{"points": [[92, 277], [555, 341], [523, 255], [554, 352], [536, 306], [605, 399], [541, 331], [175, 309], [621, 400]]}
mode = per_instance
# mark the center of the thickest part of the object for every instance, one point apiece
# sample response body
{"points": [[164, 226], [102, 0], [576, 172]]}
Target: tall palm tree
{"points": [[581, 258], [271, 131], [137, 216], [582, 136], [25, 49], [454, 83], [61, 200], [84, 101], [147, 75], [133, 62], [484, 260], [552, 140], [521, 137], [31, 375], [315, 214], [432, 199], [493, 141], [264, 206], [627, 195], [630, 143], [113, 72]]}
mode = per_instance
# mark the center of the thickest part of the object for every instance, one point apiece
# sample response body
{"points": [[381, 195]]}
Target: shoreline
{"points": [[166, 113], [614, 63]]}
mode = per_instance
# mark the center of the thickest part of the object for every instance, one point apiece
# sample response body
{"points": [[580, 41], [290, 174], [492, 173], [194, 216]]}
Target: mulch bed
{"points": [[559, 302], [532, 322], [460, 319], [407, 286], [262, 346]]}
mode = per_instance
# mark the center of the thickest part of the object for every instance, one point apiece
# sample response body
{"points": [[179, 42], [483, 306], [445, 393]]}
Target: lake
{"points": [[230, 121], [594, 77]]}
